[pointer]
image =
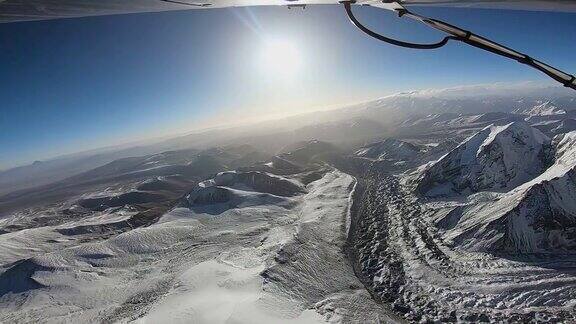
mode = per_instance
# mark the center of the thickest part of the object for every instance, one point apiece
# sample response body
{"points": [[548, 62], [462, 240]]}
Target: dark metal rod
{"points": [[348, 7], [188, 3], [469, 38]]}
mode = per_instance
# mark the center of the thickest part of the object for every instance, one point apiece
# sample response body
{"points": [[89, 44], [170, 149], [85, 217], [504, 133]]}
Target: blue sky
{"points": [[75, 84]]}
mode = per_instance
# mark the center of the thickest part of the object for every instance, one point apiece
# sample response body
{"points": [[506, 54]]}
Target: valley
{"points": [[413, 208]]}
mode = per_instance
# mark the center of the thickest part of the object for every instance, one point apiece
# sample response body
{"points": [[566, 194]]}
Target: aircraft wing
{"points": [[24, 10]]}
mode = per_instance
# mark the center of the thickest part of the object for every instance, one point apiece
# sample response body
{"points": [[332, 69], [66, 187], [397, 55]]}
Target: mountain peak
{"points": [[496, 158]]}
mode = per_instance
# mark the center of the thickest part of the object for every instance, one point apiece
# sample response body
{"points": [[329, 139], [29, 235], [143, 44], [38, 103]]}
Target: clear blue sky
{"points": [[75, 84]]}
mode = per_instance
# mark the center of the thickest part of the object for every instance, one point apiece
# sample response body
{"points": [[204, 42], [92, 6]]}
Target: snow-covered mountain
{"points": [[298, 220], [536, 217], [235, 188], [453, 120], [496, 158], [305, 152], [556, 126], [564, 126], [241, 246], [390, 149], [546, 108]]}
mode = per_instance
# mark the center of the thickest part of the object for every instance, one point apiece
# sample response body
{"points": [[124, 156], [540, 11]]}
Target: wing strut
{"points": [[456, 33]]}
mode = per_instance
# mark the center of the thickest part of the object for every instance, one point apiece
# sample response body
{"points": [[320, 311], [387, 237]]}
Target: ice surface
{"points": [[194, 266]]}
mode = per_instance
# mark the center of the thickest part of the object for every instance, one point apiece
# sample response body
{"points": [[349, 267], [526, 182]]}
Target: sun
{"points": [[280, 58]]}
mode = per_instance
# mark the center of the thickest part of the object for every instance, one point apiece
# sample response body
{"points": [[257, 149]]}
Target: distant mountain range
{"points": [[397, 114]]}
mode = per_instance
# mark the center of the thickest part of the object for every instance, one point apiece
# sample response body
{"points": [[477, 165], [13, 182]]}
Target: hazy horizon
{"points": [[485, 89], [82, 84]]}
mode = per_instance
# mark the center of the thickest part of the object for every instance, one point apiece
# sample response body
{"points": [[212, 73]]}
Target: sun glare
{"points": [[280, 58]]}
